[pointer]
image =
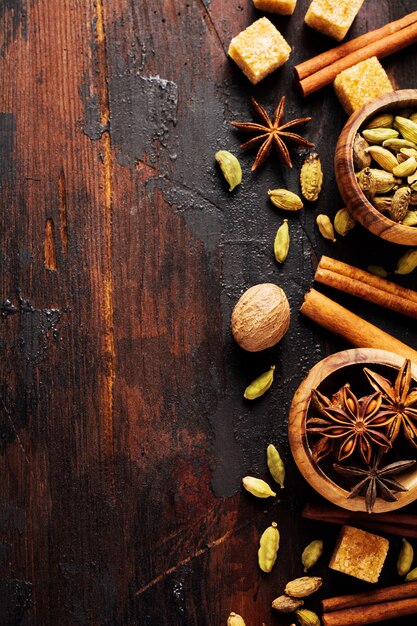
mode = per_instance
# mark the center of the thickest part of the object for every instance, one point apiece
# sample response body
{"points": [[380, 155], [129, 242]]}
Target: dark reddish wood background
{"points": [[124, 434]]}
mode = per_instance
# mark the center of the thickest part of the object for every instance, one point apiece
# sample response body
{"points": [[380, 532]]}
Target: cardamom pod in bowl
{"points": [[366, 172]]}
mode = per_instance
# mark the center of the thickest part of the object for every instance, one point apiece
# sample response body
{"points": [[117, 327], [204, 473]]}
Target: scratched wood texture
{"points": [[124, 434]]}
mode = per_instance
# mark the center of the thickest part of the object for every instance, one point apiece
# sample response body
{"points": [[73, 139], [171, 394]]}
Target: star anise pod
{"points": [[272, 132], [323, 446], [376, 481], [399, 402], [357, 425]]}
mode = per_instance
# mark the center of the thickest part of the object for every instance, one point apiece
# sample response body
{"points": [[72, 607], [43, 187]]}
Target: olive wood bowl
{"points": [[330, 374], [353, 197]]}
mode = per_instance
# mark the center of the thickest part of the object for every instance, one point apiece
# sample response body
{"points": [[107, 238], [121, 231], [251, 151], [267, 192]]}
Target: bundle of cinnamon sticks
{"points": [[323, 69], [357, 282], [371, 607], [352, 328]]}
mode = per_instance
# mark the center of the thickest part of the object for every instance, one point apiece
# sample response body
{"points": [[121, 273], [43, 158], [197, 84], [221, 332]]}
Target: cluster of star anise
{"points": [[368, 426]]}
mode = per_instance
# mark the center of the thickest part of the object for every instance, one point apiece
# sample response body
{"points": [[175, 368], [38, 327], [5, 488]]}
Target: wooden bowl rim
{"points": [[345, 174], [297, 434]]}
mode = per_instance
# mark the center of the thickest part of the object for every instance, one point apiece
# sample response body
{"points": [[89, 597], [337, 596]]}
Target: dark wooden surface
{"points": [[124, 434]]}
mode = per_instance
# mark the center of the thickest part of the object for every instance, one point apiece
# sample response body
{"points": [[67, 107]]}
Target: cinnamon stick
{"points": [[351, 327], [321, 511], [380, 48], [364, 285], [361, 615], [311, 66], [397, 592], [401, 524]]}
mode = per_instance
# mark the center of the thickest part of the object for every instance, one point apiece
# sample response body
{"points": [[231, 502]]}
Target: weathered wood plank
{"points": [[57, 374], [124, 435]]}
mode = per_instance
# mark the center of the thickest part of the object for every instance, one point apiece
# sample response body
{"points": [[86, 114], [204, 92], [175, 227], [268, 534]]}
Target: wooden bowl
{"points": [[331, 374], [353, 197]]}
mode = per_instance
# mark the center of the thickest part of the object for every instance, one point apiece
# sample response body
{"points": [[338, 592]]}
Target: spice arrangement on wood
{"points": [[178, 265]]}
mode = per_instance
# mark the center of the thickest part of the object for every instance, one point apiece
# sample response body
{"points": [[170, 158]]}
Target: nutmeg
{"points": [[261, 317]]}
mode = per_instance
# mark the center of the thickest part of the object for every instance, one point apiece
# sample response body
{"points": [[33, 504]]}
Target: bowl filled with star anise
{"points": [[353, 430]]}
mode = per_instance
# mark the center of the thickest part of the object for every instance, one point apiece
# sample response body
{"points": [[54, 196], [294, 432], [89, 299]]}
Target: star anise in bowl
{"points": [[353, 430], [399, 402], [355, 424], [376, 480]]}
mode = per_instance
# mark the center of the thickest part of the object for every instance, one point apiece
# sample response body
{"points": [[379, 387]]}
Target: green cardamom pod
{"points": [[409, 152], [257, 487], [311, 177], [282, 242], [235, 620], [303, 587], [408, 262], [260, 385], [377, 270], [378, 135], [361, 158], [399, 204], [268, 548], [407, 128], [407, 168], [275, 465], [383, 120], [405, 558], [307, 618], [367, 182], [343, 222], [285, 604], [397, 144], [413, 117], [311, 554], [411, 576], [383, 157], [412, 179], [230, 167], [410, 219], [285, 199], [325, 227], [382, 203], [383, 181]]}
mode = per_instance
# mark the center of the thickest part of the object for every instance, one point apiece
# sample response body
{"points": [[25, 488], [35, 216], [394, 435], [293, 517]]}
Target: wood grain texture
{"points": [[124, 434]]}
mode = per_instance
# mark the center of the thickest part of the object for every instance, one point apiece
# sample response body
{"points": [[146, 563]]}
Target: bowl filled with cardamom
{"points": [[376, 166], [353, 430]]}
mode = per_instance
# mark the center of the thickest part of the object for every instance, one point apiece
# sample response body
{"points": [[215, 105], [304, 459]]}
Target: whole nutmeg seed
{"points": [[261, 317]]}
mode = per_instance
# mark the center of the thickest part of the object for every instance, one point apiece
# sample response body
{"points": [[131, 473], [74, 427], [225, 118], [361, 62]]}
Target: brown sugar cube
{"points": [[259, 50], [332, 17], [359, 554], [361, 83], [283, 7]]}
